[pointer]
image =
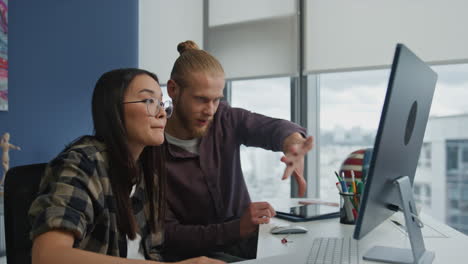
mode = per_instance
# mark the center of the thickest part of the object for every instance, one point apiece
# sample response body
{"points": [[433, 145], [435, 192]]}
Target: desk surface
{"points": [[449, 245]]}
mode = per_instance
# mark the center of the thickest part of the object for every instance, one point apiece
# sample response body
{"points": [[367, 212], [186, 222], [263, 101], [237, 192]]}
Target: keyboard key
{"points": [[331, 250]]}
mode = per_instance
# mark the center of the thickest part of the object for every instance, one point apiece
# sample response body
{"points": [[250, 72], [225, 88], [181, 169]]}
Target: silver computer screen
{"points": [[399, 137]]}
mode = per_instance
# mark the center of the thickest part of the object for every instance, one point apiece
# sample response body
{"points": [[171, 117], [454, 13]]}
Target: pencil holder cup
{"points": [[349, 206]]}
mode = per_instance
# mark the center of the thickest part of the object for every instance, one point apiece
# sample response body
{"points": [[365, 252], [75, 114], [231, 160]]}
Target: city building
{"points": [[441, 182]]}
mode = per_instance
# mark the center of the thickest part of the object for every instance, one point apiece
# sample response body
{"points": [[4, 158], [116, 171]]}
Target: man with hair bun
{"points": [[209, 208]]}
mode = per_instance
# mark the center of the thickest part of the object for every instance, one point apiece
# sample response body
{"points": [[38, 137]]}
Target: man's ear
{"points": [[172, 89]]}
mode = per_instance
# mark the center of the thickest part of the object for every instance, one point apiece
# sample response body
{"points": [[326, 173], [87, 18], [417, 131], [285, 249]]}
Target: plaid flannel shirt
{"points": [[75, 195]]}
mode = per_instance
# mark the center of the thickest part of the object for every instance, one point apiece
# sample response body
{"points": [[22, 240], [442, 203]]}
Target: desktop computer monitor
{"points": [[395, 155]]}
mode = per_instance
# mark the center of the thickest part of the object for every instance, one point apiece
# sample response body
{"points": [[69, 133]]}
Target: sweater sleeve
{"points": [[258, 130], [197, 239]]}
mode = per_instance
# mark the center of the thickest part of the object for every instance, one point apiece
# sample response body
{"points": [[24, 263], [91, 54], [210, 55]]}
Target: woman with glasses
{"points": [[102, 199]]}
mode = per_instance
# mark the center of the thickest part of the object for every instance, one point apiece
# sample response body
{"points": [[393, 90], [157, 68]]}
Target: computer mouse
{"points": [[290, 229]]}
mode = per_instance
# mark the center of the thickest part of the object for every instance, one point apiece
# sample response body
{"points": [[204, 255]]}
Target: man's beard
{"points": [[185, 122]]}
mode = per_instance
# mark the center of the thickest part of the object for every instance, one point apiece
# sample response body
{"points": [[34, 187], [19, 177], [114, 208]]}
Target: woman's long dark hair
{"points": [[109, 127]]}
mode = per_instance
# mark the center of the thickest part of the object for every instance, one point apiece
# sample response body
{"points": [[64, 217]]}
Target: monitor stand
{"points": [[418, 253]]}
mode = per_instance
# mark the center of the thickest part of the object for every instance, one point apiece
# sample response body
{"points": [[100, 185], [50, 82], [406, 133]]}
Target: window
{"points": [[417, 190], [262, 168], [454, 219], [464, 194], [452, 158], [426, 156], [454, 203], [421, 193], [464, 219], [165, 95], [454, 192], [449, 114], [350, 107], [428, 191], [465, 155]]}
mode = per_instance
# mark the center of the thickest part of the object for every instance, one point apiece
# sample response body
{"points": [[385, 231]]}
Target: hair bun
{"points": [[187, 45]]}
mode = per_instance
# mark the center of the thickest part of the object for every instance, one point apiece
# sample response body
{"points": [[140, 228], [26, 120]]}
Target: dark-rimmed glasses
{"points": [[153, 106]]}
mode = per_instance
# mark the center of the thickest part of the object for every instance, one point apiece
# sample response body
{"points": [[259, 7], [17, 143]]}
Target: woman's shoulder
{"points": [[86, 152], [89, 146], [82, 164]]}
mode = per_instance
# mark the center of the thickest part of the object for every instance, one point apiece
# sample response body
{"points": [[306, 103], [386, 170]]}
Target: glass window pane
{"points": [[350, 107], [451, 90], [416, 190], [465, 195], [446, 129], [452, 157], [428, 191], [454, 203], [454, 219], [262, 168], [465, 154], [464, 219], [165, 95], [427, 150]]}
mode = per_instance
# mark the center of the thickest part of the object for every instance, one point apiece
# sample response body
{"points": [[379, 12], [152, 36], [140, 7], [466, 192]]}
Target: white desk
{"points": [[449, 245]]}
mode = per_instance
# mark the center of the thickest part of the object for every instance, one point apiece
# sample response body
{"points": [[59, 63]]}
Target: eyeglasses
{"points": [[153, 106]]}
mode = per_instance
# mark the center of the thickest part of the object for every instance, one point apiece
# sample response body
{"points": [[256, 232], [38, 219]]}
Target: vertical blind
{"points": [[162, 25], [254, 38], [257, 38], [345, 34]]}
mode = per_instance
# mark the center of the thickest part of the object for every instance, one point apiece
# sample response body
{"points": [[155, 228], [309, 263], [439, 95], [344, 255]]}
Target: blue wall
{"points": [[57, 51]]}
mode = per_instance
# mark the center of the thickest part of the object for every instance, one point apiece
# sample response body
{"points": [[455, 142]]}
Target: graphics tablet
{"points": [[309, 212]]}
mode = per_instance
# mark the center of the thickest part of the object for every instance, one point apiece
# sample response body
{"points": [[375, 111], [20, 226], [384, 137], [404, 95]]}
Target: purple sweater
{"points": [[207, 193]]}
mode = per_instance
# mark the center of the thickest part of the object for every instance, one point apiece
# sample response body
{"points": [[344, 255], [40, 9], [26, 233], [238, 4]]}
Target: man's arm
{"points": [[195, 239], [259, 130], [277, 135]]}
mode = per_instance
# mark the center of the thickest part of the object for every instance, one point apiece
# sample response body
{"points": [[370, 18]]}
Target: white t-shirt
{"points": [[190, 145], [134, 250]]}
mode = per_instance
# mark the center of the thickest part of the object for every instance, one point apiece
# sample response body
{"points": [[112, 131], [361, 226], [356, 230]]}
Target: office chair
{"points": [[20, 190]]}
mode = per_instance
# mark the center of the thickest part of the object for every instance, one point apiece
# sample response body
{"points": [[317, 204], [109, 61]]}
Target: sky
{"points": [[355, 98], [350, 99], [270, 97]]}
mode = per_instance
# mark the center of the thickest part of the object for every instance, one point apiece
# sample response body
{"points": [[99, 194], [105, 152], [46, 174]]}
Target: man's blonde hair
{"points": [[192, 60]]}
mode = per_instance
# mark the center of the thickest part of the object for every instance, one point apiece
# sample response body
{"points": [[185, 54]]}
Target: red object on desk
{"points": [[284, 241], [357, 161]]}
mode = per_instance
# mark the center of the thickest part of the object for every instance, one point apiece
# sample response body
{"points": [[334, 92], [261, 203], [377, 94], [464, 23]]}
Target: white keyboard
{"points": [[331, 250]]}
